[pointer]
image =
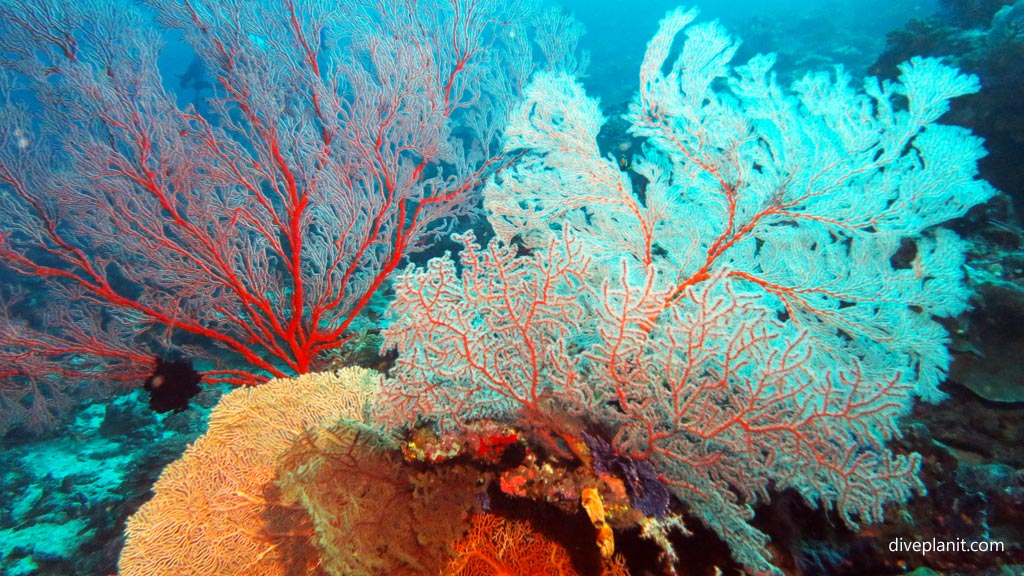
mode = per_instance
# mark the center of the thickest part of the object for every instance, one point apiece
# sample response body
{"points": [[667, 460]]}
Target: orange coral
{"points": [[376, 514], [216, 511], [496, 546]]}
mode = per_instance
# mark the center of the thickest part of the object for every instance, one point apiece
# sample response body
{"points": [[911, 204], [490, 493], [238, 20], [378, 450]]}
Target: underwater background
{"points": [[299, 169]]}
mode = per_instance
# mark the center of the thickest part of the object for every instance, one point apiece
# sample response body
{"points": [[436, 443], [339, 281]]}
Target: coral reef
{"points": [[756, 318], [374, 515], [496, 546], [216, 511]]}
